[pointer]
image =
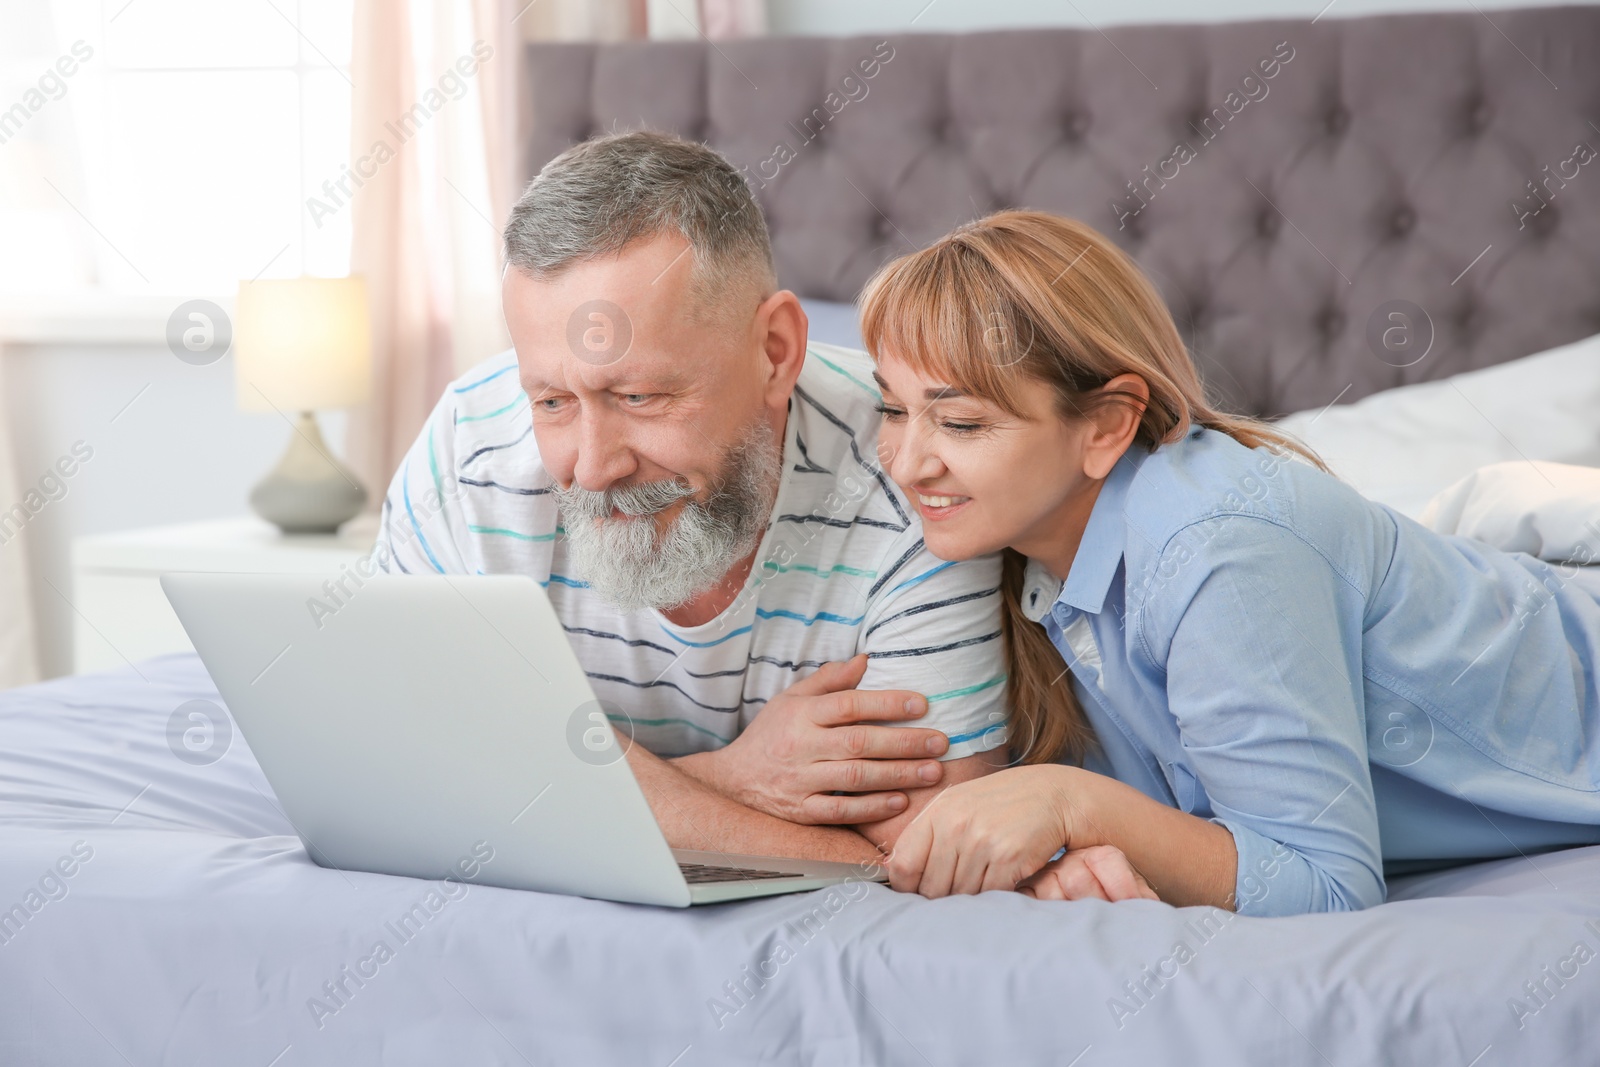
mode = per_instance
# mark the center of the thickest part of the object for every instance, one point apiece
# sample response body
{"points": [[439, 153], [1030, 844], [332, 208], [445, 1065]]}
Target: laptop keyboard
{"points": [[700, 873]]}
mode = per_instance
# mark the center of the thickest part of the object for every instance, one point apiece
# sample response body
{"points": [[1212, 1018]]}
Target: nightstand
{"points": [[123, 615]]}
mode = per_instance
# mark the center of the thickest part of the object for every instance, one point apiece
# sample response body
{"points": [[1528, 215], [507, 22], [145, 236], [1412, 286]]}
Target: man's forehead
{"points": [[642, 371], [603, 324]]}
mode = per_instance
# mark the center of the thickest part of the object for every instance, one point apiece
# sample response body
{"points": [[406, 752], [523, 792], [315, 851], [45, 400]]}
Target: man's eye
{"points": [[635, 399]]}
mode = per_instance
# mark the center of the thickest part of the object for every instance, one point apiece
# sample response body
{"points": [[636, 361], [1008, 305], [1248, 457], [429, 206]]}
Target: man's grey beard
{"points": [[626, 561]]}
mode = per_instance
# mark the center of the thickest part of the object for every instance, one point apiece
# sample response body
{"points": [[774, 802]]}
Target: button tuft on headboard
{"points": [[1543, 223], [1370, 163], [1479, 115]]}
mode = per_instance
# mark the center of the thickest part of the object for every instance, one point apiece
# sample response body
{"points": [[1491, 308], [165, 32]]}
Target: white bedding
{"points": [[1403, 446], [194, 929], [1548, 510]]}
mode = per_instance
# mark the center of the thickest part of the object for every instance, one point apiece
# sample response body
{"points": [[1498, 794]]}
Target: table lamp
{"points": [[301, 344]]}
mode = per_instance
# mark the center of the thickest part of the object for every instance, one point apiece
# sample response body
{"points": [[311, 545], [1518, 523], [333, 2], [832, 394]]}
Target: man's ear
{"points": [[1112, 424], [781, 329]]}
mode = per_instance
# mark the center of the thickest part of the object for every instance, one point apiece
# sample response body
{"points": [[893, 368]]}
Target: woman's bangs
{"points": [[929, 312]]}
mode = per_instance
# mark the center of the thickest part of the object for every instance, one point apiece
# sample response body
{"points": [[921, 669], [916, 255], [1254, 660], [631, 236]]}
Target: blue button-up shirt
{"points": [[1257, 644]]}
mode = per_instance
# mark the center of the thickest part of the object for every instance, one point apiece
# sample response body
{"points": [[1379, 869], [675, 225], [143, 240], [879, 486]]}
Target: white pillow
{"points": [[1549, 510], [1403, 446]]}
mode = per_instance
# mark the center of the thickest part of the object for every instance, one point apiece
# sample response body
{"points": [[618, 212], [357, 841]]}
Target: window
{"points": [[170, 146]]}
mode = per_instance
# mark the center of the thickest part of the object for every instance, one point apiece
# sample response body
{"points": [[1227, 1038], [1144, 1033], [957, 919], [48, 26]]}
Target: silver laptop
{"points": [[416, 725]]}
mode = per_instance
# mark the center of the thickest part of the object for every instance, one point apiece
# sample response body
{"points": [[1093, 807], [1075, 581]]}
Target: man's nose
{"points": [[604, 455]]}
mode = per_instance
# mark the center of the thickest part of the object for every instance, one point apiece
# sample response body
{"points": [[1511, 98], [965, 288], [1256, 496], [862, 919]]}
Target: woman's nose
{"points": [[907, 458]]}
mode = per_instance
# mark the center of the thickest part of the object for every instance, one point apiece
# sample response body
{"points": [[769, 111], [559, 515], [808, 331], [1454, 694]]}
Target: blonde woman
{"points": [[1234, 681]]}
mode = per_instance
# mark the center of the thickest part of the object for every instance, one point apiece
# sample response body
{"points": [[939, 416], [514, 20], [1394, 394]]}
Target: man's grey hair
{"points": [[599, 196]]}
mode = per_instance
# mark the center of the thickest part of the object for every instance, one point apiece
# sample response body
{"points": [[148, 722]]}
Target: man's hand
{"points": [[693, 815], [813, 739]]}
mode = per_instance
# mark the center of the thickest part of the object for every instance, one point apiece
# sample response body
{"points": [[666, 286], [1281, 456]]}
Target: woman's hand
{"points": [[1100, 872], [989, 833]]}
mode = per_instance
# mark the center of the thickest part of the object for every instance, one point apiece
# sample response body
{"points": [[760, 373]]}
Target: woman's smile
{"points": [[936, 506]]}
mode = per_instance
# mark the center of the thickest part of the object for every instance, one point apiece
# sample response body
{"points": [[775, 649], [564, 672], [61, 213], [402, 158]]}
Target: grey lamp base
{"points": [[309, 491]]}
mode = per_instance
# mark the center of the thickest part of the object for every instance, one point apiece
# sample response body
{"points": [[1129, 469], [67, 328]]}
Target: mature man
{"points": [[699, 493]]}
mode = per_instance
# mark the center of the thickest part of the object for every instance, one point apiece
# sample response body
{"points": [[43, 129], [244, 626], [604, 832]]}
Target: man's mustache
{"points": [[635, 501]]}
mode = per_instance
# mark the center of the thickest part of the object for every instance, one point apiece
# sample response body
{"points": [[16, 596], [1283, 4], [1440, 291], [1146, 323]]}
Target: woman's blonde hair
{"points": [[1021, 298]]}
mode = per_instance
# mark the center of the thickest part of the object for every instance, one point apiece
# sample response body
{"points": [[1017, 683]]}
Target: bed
{"points": [[157, 907], [195, 929]]}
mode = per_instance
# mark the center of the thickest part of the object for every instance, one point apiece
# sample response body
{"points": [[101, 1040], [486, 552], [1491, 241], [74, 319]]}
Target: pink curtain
{"points": [[721, 19], [497, 23], [426, 225], [412, 359]]}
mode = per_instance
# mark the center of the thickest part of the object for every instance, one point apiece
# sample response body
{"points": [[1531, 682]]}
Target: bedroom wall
{"points": [[848, 17], [181, 452]]}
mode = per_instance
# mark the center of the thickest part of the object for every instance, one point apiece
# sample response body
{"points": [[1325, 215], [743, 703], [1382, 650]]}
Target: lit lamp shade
{"points": [[301, 344]]}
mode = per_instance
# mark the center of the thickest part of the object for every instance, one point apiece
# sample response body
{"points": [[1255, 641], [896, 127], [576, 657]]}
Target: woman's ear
{"points": [[1114, 423]]}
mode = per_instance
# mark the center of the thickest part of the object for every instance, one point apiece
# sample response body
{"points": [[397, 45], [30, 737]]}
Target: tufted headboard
{"points": [[1284, 183]]}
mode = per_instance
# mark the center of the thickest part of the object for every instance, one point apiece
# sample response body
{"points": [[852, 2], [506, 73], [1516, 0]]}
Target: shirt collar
{"points": [[1039, 590]]}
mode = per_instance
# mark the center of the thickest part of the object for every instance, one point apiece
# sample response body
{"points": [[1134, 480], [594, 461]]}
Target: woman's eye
{"points": [[891, 414], [962, 429]]}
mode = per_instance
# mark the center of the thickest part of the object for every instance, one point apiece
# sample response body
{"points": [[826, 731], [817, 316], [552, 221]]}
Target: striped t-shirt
{"points": [[841, 569]]}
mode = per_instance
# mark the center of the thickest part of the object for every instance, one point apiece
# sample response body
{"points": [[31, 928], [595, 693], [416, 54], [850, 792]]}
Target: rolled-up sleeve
{"points": [[933, 627], [1260, 638]]}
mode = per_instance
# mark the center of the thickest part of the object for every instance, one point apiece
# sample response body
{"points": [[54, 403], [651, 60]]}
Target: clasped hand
{"points": [[817, 755], [817, 738], [1000, 832]]}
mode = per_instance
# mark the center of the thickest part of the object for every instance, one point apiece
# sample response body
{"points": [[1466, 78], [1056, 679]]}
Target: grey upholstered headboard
{"points": [[1384, 159]]}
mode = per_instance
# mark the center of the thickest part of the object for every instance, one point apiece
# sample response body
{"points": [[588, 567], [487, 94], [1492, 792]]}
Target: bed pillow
{"points": [[1549, 510], [1403, 446]]}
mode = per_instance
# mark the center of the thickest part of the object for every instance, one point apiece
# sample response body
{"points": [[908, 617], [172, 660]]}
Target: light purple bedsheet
{"points": [[193, 929]]}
